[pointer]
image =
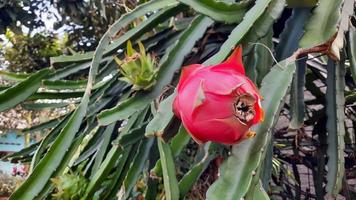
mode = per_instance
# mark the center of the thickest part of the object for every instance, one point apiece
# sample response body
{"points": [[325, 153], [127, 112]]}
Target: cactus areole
{"points": [[218, 103]]}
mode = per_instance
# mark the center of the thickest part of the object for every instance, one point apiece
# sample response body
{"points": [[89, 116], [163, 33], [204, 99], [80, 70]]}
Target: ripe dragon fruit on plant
{"points": [[218, 103]]}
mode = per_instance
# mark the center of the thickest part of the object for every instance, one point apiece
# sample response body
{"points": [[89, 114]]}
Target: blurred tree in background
{"points": [[25, 53], [36, 30], [17, 13]]}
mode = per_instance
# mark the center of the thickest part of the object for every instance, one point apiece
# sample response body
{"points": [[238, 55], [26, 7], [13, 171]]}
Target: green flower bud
{"points": [[70, 186], [138, 68]]}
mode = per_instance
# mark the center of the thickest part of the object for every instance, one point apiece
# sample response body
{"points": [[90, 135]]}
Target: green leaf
{"points": [[104, 170], [108, 163], [263, 25], [172, 61], [256, 190], [55, 95], [323, 24], [219, 10], [335, 110], [319, 177], [266, 168], [98, 105], [351, 50], [68, 70], [56, 155], [297, 96], [107, 134], [53, 158], [301, 3], [292, 33], [113, 87], [121, 169], [25, 152], [145, 26], [13, 76], [179, 141], [190, 178], [2, 88], [124, 163], [125, 20], [237, 171], [258, 193], [161, 119], [88, 144], [259, 60], [169, 172], [136, 167], [239, 32], [70, 59], [45, 125], [41, 106], [63, 167], [134, 135], [87, 150], [64, 84], [109, 69], [338, 43], [21, 91]]}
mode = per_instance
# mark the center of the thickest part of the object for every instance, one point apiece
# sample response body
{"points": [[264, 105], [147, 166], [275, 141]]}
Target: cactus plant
{"points": [[138, 149]]}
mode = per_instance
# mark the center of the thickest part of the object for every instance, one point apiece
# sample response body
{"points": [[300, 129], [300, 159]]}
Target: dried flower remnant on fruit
{"points": [[244, 108]]}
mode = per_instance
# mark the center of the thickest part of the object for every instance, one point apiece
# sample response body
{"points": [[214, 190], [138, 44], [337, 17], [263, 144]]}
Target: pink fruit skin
{"points": [[207, 101]]}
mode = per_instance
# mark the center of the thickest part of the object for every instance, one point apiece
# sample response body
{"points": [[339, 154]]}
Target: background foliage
{"points": [[29, 53]]}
